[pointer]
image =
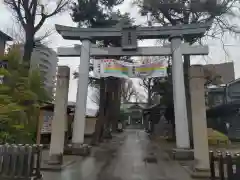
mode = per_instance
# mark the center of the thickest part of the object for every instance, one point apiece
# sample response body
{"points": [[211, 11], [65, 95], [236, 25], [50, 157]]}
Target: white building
{"points": [[46, 60]]}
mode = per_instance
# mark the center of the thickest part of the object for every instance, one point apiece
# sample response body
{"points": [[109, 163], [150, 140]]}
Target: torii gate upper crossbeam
{"points": [[161, 32]]}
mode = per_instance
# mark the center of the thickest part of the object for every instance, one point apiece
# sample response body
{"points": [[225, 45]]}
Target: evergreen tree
{"points": [[20, 100]]}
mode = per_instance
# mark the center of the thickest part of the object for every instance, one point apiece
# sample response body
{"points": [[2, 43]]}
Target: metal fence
{"points": [[21, 162], [224, 166]]}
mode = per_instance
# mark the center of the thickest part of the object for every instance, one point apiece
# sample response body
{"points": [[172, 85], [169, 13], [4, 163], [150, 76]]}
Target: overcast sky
{"points": [[217, 54]]}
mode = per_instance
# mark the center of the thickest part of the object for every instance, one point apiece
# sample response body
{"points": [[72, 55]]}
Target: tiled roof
{"points": [[5, 36]]}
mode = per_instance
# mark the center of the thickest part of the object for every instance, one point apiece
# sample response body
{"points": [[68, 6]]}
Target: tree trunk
{"points": [[108, 108], [116, 104], [28, 49], [101, 116], [149, 92], [149, 102]]}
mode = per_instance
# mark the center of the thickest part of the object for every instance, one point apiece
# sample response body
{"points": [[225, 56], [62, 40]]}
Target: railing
{"points": [[21, 162], [224, 166]]}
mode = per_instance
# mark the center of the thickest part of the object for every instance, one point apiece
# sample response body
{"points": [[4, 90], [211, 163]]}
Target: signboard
{"points": [[47, 122], [111, 67], [151, 70], [129, 38]]}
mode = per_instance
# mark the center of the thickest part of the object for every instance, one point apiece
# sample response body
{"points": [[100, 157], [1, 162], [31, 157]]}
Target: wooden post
{"points": [[39, 126]]}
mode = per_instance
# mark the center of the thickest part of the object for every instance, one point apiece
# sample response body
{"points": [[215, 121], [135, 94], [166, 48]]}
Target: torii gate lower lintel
{"points": [[186, 49], [129, 37]]}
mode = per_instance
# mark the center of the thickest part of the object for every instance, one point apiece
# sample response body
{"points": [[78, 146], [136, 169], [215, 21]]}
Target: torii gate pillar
{"points": [[180, 108], [82, 91]]}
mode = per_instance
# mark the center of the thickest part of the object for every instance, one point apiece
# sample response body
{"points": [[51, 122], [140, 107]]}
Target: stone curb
{"points": [[57, 168], [84, 150], [197, 174]]}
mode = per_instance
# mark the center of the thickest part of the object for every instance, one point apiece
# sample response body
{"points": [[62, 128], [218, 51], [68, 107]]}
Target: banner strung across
{"points": [[111, 67]]}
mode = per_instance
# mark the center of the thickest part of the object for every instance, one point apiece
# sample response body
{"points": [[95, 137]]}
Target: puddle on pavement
{"points": [[150, 160], [165, 158]]}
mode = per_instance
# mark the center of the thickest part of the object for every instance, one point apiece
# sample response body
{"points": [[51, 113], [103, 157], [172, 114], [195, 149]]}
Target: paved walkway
{"points": [[131, 156]]}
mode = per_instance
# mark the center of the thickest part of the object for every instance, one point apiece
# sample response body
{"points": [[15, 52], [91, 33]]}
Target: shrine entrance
{"points": [[128, 36]]}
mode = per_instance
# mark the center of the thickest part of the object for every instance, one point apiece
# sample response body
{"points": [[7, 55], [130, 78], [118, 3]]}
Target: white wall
{"points": [[90, 126]]}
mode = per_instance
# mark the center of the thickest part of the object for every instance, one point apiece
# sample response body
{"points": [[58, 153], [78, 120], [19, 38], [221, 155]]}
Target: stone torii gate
{"points": [[128, 37]]}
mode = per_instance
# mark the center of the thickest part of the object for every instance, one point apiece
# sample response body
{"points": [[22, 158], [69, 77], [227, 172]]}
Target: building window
{"points": [[43, 72], [218, 99], [46, 54], [214, 99], [43, 66], [45, 61]]}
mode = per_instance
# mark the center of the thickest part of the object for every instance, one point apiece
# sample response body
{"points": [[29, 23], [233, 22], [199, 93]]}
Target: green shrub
{"points": [[20, 100]]}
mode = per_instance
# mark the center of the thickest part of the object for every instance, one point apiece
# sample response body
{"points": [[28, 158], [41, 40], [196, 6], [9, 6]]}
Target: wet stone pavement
{"points": [[129, 156]]}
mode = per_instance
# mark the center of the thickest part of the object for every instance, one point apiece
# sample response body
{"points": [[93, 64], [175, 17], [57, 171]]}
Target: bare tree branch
{"points": [[127, 90], [17, 33], [95, 97], [27, 12], [61, 6], [16, 7]]}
